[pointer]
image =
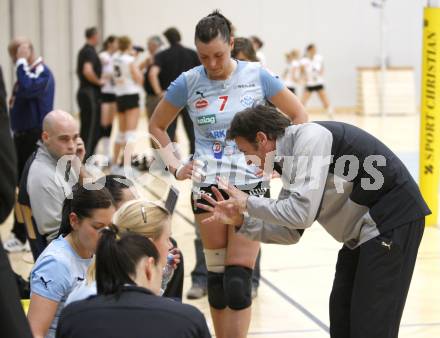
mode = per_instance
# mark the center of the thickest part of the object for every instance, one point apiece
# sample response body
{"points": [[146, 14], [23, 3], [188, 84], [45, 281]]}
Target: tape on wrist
{"points": [[179, 168]]}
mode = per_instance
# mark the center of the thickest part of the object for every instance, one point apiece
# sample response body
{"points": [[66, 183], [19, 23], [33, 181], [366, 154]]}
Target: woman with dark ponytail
{"points": [[117, 258], [213, 93], [63, 264], [128, 278]]}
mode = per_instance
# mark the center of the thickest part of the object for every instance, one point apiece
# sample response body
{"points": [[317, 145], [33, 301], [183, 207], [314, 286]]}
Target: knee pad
{"points": [[216, 291], [120, 138], [215, 259], [238, 287], [130, 136]]}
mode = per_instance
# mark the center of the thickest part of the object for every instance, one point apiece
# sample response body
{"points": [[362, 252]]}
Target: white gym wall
{"points": [[346, 33]]}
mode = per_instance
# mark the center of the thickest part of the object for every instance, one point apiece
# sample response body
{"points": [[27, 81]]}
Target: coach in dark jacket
{"points": [[355, 187]]}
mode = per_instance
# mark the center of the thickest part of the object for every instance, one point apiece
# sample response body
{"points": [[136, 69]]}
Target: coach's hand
{"points": [[228, 211]]}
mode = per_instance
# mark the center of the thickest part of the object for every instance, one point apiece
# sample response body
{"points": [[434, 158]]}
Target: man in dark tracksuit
{"points": [[357, 189], [32, 98], [13, 322], [89, 70], [168, 65]]}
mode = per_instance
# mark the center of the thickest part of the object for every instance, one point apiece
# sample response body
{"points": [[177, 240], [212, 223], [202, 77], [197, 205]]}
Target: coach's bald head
{"points": [[60, 133]]}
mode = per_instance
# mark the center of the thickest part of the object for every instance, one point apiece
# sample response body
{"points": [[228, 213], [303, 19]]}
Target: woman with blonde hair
{"points": [[147, 218]]}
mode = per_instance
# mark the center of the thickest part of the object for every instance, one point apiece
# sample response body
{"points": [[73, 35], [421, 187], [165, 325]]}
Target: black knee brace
{"points": [[216, 292], [238, 287]]}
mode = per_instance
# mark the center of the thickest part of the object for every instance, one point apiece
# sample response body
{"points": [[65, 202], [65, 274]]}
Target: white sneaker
{"points": [[13, 244]]}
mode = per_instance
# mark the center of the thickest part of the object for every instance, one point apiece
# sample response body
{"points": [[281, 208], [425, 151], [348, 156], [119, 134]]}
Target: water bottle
{"points": [[168, 271]]}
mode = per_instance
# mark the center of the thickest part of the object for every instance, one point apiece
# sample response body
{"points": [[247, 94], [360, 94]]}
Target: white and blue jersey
{"points": [[212, 104], [56, 272]]}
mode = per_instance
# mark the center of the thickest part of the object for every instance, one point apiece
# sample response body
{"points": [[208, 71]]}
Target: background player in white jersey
{"points": [[128, 78], [212, 94], [312, 69], [292, 73], [108, 97]]}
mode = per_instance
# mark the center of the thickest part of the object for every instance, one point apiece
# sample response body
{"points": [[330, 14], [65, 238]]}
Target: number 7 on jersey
{"points": [[224, 100]]}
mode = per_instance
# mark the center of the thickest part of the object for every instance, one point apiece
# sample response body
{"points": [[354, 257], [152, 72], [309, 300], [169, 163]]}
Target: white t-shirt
{"points": [[292, 72], [107, 72], [312, 68], [124, 82]]}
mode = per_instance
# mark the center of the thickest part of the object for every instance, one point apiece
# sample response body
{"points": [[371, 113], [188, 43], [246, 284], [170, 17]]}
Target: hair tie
{"points": [[113, 229]]}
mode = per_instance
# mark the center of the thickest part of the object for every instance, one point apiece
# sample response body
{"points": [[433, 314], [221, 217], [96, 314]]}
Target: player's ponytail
{"points": [[117, 257]]}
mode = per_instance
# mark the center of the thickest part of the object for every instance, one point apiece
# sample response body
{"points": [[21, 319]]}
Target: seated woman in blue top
{"points": [[63, 264], [128, 278]]}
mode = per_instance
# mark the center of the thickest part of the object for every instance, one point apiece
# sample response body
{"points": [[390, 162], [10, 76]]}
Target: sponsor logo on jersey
{"points": [[45, 283], [218, 134], [217, 126], [246, 85], [201, 104], [247, 100], [206, 119], [217, 150], [199, 92]]}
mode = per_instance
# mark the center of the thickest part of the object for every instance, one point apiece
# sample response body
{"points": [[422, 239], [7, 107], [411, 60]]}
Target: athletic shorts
{"points": [[108, 98], [126, 102], [314, 88], [257, 191]]}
